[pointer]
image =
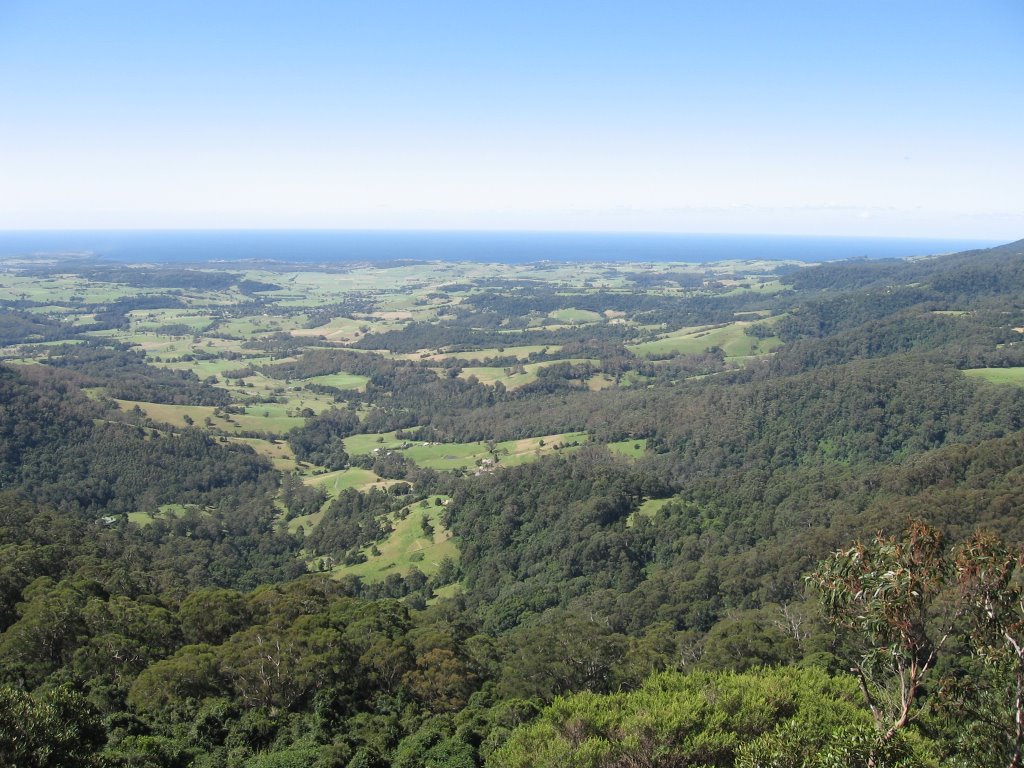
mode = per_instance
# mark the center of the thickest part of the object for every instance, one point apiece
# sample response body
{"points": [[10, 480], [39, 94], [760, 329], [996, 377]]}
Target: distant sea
{"points": [[337, 246]]}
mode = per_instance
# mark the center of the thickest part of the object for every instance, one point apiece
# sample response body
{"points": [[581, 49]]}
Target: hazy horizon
{"points": [[323, 245], [795, 116]]}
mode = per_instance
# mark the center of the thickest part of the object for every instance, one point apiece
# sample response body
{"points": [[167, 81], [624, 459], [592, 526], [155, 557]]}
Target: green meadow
{"points": [[339, 380], [1013, 376], [163, 512], [575, 316], [511, 378], [263, 417], [465, 456], [632, 448], [353, 477], [521, 353], [648, 508], [731, 339], [407, 546]]}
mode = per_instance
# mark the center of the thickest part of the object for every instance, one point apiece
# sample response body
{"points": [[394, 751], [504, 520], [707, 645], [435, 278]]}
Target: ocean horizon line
{"points": [[501, 246]]}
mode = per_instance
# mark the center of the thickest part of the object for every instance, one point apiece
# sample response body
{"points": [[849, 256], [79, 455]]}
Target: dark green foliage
{"points": [[971, 272], [352, 520], [321, 362], [125, 375], [321, 439], [213, 615], [300, 498], [781, 717], [199, 640], [58, 729], [749, 640], [17, 327], [54, 448], [169, 277], [434, 744], [256, 286], [559, 531]]}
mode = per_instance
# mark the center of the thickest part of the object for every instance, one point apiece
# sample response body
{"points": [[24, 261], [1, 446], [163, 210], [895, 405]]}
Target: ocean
{"points": [[338, 246]]}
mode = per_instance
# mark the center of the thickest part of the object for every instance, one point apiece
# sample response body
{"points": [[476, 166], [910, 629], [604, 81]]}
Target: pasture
{"points": [[1013, 376], [464, 456], [575, 316], [631, 448], [406, 547], [732, 339], [514, 377]]}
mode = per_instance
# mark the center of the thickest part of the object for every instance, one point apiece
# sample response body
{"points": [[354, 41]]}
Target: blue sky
{"points": [[825, 117]]}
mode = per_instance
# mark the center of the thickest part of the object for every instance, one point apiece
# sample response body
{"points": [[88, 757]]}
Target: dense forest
{"points": [[632, 517]]}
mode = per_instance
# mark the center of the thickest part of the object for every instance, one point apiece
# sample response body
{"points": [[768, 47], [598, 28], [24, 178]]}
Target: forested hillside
{"points": [[419, 515]]}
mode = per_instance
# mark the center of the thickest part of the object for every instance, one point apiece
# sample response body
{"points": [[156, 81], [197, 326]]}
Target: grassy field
{"points": [[512, 380], [247, 327], [340, 329], [334, 483], [150, 343], [765, 287], [446, 456], [649, 508], [521, 353], [998, 375], [490, 375], [406, 547], [202, 368], [446, 592], [353, 477], [66, 289], [275, 421], [631, 448], [466, 456], [171, 414], [576, 316], [164, 512], [340, 380], [600, 381], [510, 453], [147, 320], [278, 451], [731, 338]]}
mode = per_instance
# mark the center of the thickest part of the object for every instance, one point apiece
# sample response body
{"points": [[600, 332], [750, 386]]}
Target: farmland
{"points": [[230, 331], [464, 475]]}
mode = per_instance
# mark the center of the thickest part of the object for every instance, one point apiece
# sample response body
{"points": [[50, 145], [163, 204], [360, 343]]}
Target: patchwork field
{"points": [[236, 329]]}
